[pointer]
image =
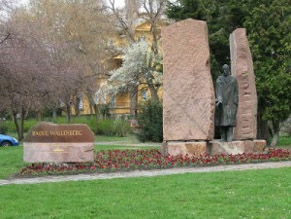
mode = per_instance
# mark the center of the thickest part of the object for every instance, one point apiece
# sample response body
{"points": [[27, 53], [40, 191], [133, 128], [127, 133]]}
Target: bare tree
{"points": [[75, 34], [21, 79]]}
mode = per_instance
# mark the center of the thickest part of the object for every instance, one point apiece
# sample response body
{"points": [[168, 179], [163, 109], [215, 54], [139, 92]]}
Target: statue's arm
{"points": [[218, 92]]}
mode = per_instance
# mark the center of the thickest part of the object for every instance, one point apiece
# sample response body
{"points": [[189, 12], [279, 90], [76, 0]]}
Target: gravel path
{"points": [[144, 173], [127, 144]]}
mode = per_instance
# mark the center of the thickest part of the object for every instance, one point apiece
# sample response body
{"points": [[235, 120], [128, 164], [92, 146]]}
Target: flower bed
{"points": [[128, 160]]}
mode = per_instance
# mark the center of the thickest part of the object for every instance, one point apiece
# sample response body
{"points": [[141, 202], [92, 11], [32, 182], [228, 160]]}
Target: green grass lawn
{"points": [[242, 194], [238, 194], [11, 161], [284, 141], [132, 139]]}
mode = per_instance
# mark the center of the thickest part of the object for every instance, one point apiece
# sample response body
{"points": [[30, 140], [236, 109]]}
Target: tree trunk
{"points": [[276, 130], [133, 102], [54, 115], [263, 129], [22, 118], [39, 116], [91, 103], [69, 119], [14, 114], [19, 127], [153, 91], [77, 109]]}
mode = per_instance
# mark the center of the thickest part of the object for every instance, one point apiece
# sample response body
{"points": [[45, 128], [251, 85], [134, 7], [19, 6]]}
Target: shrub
{"points": [[122, 128], [10, 126], [104, 110], [150, 121], [106, 127], [110, 127], [3, 127], [29, 123]]}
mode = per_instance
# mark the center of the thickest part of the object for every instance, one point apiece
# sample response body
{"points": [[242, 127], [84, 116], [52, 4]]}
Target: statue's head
{"points": [[225, 69]]}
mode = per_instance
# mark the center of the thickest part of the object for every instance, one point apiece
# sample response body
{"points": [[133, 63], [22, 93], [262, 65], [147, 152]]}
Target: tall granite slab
{"points": [[47, 142], [242, 69], [188, 93]]}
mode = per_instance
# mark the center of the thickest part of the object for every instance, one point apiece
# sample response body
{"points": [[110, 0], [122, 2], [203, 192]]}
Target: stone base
{"points": [[192, 148], [58, 152], [197, 148], [236, 147]]}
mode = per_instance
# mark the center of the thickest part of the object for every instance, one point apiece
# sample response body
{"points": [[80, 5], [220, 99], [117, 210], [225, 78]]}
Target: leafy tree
{"points": [[138, 68], [268, 25], [150, 11]]}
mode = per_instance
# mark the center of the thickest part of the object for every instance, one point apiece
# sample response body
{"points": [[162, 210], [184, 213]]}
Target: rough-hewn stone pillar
{"points": [[242, 69], [188, 94]]}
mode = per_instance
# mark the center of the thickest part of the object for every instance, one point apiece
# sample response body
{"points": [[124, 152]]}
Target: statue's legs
{"points": [[226, 133], [223, 133], [229, 133]]}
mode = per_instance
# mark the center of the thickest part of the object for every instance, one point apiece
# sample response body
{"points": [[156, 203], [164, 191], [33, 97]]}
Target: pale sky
{"points": [[119, 3]]}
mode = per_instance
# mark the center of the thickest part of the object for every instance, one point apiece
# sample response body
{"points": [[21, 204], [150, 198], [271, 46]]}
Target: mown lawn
{"points": [[242, 194]]}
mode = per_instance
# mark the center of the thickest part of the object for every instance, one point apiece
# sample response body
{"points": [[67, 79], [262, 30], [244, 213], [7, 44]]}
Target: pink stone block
{"points": [[259, 146], [237, 147], [58, 152], [242, 69], [47, 142], [188, 93], [191, 148]]}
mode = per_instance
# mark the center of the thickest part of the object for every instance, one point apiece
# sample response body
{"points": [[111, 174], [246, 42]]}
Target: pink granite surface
{"points": [[191, 148], [242, 69], [237, 147], [188, 93], [47, 142], [58, 152]]}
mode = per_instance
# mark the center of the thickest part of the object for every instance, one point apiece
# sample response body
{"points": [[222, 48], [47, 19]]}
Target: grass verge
{"points": [[241, 194], [11, 161]]}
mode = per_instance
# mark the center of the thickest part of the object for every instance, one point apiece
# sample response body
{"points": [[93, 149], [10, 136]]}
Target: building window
{"points": [[100, 97], [81, 106], [113, 101], [144, 95], [103, 97], [96, 99], [80, 102]]}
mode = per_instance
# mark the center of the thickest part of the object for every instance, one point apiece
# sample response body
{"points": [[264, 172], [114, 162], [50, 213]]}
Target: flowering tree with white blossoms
{"points": [[140, 66]]}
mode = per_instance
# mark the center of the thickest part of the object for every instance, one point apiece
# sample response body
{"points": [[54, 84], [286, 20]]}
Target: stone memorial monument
{"points": [[48, 142], [242, 69], [245, 130], [188, 93]]}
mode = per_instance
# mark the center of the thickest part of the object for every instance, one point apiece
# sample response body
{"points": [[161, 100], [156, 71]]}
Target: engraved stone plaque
{"points": [[48, 142]]}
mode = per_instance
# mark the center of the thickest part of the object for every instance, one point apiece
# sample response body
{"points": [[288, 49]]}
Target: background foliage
{"points": [[150, 121]]}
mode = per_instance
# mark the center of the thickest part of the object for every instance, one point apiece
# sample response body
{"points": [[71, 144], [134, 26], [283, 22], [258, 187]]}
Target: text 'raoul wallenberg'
{"points": [[57, 133]]}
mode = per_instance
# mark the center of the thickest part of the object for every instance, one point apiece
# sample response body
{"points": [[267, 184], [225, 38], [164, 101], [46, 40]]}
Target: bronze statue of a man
{"points": [[226, 103]]}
